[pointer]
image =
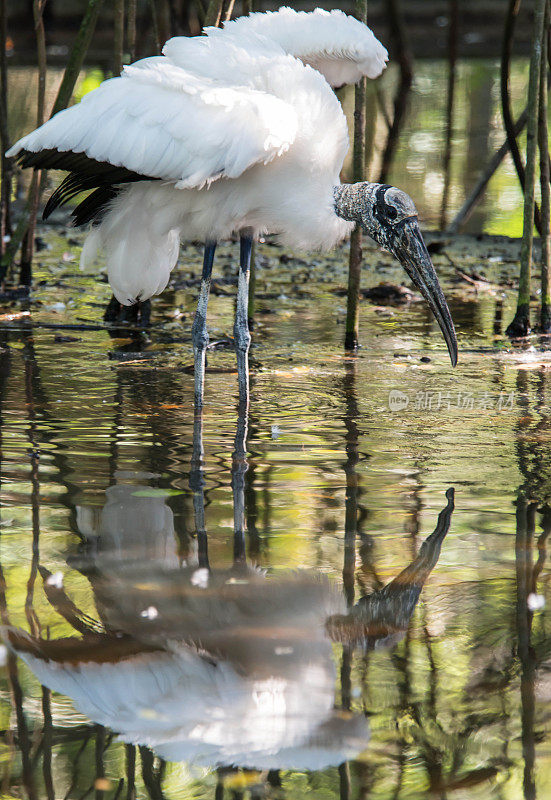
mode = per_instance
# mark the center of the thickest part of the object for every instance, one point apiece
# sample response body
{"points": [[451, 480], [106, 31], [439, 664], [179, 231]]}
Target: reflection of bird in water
{"points": [[134, 519], [237, 131], [217, 666]]}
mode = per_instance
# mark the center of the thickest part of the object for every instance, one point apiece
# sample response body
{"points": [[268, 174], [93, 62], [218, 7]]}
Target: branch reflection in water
{"points": [[215, 666]]}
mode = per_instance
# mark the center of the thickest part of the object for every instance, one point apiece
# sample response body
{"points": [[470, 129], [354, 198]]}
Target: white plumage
{"points": [[240, 125]]}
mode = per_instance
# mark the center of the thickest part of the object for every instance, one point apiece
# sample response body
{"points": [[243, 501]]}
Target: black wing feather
{"points": [[85, 174], [92, 207], [81, 163]]}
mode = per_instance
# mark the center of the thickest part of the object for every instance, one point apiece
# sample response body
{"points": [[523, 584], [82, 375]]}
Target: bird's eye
{"points": [[391, 212]]}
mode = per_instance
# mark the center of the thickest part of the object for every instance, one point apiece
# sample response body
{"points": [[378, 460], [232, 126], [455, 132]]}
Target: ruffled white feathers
{"points": [[243, 104], [340, 47], [162, 121]]}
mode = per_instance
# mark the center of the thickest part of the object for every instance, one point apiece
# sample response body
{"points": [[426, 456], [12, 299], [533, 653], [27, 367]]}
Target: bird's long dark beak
{"points": [[409, 248]]}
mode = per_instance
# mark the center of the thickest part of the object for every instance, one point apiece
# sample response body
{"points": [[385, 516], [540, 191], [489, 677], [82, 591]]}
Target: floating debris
{"points": [[200, 578], [55, 580], [150, 613], [535, 602]]}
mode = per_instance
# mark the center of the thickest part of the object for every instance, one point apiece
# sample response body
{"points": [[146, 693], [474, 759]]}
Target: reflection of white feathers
{"points": [[235, 667], [257, 690], [134, 522], [242, 129], [189, 709]]}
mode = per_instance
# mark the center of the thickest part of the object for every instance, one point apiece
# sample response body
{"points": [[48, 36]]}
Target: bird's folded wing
{"points": [[337, 45], [160, 121]]}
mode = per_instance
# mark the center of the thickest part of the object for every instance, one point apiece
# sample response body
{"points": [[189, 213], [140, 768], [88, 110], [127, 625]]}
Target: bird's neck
{"points": [[353, 200]]}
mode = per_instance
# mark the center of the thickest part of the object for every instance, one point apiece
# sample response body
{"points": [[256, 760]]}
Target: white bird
{"points": [[237, 131]]}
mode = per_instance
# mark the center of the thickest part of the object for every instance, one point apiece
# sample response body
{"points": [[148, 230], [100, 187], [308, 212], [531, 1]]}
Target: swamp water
{"points": [[286, 604], [156, 641]]}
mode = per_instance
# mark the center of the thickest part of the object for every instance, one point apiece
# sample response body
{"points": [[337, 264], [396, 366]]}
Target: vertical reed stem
{"points": [[405, 62], [247, 8], [520, 326], [214, 13], [543, 142], [155, 25], [352, 330], [118, 37], [131, 30], [5, 185], [452, 72], [506, 53], [27, 247]]}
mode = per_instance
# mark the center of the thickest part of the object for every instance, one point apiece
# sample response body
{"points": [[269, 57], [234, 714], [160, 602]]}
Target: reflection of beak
{"points": [[409, 248]]}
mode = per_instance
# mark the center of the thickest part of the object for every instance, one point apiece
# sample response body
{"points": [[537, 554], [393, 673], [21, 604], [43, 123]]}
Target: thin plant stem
{"points": [[520, 326], [118, 37], [77, 55], [64, 94], [214, 13], [247, 8], [478, 190], [543, 143], [405, 62], [506, 52], [452, 74], [27, 248], [352, 329], [5, 186], [228, 10], [131, 29], [155, 25]]}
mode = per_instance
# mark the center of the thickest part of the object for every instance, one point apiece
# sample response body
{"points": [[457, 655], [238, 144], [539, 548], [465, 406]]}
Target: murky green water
{"points": [[184, 625]]}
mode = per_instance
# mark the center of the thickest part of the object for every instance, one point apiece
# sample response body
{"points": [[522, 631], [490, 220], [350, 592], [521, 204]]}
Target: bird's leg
{"points": [[239, 468], [197, 486], [241, 327], [199, 333]]}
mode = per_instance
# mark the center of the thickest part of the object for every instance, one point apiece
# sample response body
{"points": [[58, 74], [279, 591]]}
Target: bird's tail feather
{"points": [[139, 253]]}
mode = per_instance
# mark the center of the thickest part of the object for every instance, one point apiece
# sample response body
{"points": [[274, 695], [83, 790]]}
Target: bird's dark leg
{"points": [[199, 333], [197, 486], [239, 468], [241, 327]]}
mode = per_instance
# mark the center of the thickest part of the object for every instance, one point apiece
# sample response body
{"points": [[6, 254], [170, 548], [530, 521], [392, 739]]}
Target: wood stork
{"points": [[237, 131]]}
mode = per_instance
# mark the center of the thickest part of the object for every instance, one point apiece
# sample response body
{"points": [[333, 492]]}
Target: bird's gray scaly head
{"points": [[389, 216]]}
